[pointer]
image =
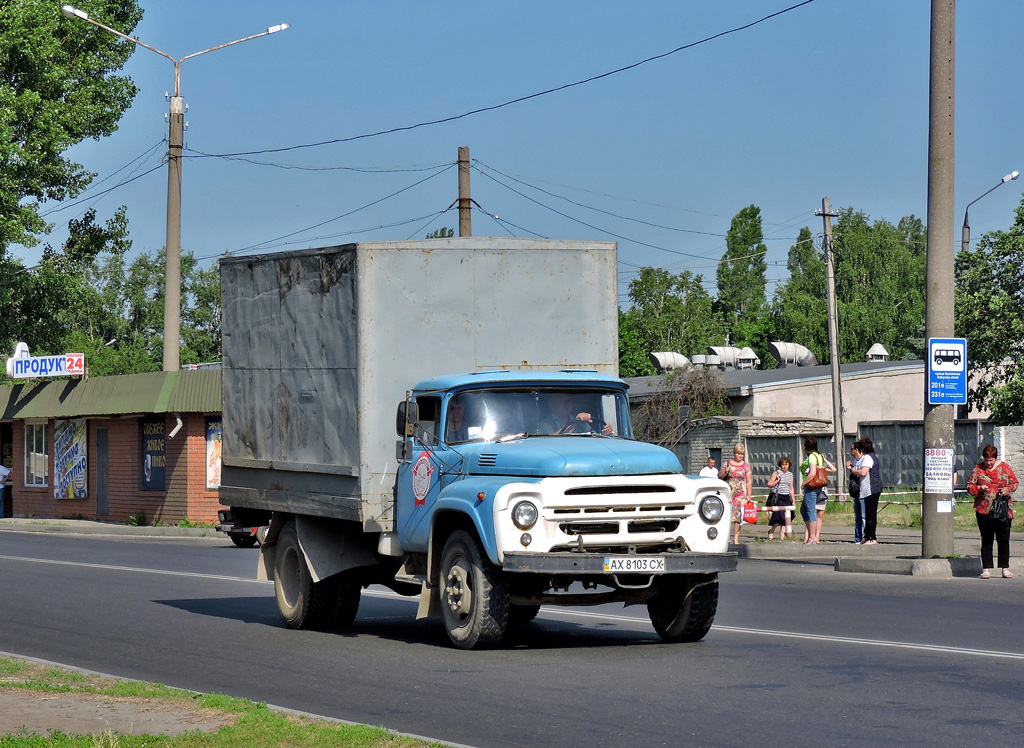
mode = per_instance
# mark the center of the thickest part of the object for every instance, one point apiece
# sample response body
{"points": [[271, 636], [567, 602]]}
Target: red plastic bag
{"points": [[750, 513]]}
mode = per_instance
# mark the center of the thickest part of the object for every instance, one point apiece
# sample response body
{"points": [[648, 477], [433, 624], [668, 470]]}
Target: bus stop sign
{"points": [[947, 371]]}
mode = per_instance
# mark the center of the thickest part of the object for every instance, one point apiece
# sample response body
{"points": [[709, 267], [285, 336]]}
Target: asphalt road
{"points": [[800, 655]]}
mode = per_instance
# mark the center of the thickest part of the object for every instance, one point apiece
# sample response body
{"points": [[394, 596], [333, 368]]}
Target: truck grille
{"points": [[610, 490], [669, 524]]}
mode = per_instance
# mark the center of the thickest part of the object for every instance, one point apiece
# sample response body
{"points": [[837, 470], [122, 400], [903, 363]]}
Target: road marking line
{"points": [[936, 648]]}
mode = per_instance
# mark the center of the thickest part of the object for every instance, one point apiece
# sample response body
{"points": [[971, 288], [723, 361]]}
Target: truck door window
{"points": [[430, 409]]}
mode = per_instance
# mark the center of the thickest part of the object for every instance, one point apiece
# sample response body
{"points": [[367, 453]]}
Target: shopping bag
{"points": [[750, 513]]}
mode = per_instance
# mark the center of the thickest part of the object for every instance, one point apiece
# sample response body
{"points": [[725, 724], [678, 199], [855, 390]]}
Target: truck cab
{"points": [[520, 485]]}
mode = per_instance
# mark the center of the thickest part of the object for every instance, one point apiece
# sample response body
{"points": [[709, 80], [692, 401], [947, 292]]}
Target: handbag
{"points": [[999, 508], [817, 477], [854, 485], [750, 513], [773, 497]]}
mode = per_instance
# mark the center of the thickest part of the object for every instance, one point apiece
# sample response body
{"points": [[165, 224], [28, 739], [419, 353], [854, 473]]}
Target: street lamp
{"points": [[965, 238], [172, 275]]}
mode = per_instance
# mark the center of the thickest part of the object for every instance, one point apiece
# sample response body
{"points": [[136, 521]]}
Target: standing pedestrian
{"points": [[709, 470], [868, 470], [992, 481], [812, 480], [781, 482], [737, 473]]}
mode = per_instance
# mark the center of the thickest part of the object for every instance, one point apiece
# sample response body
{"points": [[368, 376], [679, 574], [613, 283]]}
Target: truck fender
{"points": [[450, 515], [329, 546]]}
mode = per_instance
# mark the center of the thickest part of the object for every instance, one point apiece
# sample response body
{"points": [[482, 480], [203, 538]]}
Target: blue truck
{"points": [[488, 493]]}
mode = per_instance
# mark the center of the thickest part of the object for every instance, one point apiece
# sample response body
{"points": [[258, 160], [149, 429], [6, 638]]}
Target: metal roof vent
{"points": [[877, 352], [747, 359], [792, 354], [668, 360], [727, 355]]}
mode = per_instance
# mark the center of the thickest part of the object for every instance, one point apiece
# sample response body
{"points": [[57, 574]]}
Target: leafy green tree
{"points": [[58, 86], [442, 233], [989, 299], [879, 270], [200, 315], [800, 306], [669, 313], [741, 279]]}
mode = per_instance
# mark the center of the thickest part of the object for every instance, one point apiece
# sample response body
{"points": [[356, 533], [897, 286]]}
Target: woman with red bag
{"points": [[737, 473], [991, 479]]}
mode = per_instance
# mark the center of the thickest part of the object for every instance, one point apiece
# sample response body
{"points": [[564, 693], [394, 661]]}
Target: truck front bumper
{"points": [[576, 564]]}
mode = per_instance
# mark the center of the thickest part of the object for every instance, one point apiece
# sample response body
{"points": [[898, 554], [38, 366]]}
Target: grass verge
{"points": [[249, 723]]}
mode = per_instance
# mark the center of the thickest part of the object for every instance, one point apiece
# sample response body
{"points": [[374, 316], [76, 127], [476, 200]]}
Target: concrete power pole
{"points": [[833, 345], [172, 280], [937, 505], [465, 203]]}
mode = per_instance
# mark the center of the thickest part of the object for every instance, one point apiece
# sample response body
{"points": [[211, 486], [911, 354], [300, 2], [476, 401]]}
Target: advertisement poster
{"points": [[154, 453], [213, 434], [70, 439], [938, 472]]}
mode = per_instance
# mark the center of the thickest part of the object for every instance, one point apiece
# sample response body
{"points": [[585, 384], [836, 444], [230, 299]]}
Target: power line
{"points": [[520, 99]]}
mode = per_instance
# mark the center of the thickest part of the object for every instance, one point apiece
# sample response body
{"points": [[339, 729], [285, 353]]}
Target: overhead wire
{"points": [[519, 99]]}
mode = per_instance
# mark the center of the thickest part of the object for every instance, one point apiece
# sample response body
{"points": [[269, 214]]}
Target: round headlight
{"points": [[525, 514], [711, 509]]}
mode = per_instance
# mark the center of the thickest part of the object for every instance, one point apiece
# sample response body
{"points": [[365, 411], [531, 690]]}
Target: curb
{"points": [[98, 529]]}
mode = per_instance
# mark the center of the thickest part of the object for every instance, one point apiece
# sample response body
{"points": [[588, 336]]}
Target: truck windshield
{"points": [[487, 415]]}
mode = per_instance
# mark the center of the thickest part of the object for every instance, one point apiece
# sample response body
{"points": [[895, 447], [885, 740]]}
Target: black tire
{"points": [[345, 591], [302, 603], [474, 595], [683, 608], [520, 615], [243, 541]]}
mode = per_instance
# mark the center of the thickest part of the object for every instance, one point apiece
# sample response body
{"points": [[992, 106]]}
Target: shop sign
{"points": [[24, 366]]}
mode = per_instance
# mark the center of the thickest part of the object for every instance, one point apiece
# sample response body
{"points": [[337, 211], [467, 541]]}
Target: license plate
{"points": [[634, 564]]}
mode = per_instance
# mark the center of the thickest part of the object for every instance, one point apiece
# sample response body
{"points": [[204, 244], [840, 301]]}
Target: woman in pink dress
{"points": [[737, 473]]}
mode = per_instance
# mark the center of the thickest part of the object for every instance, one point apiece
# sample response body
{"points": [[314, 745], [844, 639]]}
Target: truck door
{"points": [[419, 479]]}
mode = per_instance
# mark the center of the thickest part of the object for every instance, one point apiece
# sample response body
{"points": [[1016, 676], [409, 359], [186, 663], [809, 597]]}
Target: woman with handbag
{"points": [[737, 473], [869, 488], [814, 478], [781, 487], [991, 484]]}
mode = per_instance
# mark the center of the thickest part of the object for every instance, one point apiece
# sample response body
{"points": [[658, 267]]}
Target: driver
{"points": [[563, 420]]}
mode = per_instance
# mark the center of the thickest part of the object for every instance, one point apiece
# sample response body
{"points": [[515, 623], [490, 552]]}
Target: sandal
{"points": [[1007, 574], [985, 574]]}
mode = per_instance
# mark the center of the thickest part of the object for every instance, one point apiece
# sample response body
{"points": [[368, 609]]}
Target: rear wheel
{"points": [[684, 607], [302, 603], [474, 595], [345, 591], [520, 615]]}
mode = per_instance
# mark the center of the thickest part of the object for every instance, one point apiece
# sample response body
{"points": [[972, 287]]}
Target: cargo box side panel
{"points": [[290, 403], [432, 308]]}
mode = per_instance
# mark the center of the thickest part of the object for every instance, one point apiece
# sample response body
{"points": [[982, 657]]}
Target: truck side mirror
{"points": [[408, 414]]}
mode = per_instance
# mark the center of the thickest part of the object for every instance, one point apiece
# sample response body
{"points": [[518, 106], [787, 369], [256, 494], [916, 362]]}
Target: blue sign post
{"points": [[947, 371]]}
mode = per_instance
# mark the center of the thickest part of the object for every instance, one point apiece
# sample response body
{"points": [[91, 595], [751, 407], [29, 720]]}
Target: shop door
{"points": [[102, 471]]}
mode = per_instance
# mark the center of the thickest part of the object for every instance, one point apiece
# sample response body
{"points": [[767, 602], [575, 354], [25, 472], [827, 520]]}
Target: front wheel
{"points": [[474, 595], [243, 541], [684, 607]]}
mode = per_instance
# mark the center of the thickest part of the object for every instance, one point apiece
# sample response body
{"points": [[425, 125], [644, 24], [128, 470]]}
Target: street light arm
{"points": [[271, 30], [72, 12], [966, 238]]}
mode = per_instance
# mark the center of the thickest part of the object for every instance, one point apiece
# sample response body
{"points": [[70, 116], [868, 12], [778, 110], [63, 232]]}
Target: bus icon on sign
{"points": [[942, 355]]}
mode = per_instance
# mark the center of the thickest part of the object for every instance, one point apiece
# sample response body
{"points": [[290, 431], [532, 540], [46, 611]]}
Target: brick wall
{"points": [[186, 494]]}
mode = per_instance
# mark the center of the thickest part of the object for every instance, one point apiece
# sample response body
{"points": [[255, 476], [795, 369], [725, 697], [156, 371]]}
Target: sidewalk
{"points": [[97, 528], [898, 551]]}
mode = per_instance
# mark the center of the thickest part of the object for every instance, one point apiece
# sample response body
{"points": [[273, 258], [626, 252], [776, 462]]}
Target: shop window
{"points": [[37, 456]]}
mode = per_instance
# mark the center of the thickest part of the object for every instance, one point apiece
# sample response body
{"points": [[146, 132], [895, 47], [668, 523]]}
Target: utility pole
{"points": [[465, 203], [833, 345], [937, 506], [172, 279]]}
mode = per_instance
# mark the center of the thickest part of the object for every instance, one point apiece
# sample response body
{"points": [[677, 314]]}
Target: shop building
{"points": [[138, 447]]}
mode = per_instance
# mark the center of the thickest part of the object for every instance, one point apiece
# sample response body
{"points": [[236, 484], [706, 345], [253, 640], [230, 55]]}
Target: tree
{"points": [[442, 233], [879, 270], [58, 86], [683, 396], [741, 280], [989, 297], [669, 313]]}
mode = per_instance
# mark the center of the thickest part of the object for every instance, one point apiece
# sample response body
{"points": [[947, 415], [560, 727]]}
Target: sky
{"points": [[828, 99]]}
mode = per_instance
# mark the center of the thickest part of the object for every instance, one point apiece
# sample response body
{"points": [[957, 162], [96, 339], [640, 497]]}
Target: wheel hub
{"points": [[457, 592]]}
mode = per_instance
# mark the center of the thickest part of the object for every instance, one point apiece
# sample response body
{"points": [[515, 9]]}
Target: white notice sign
{"points": [[938, 470]]}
